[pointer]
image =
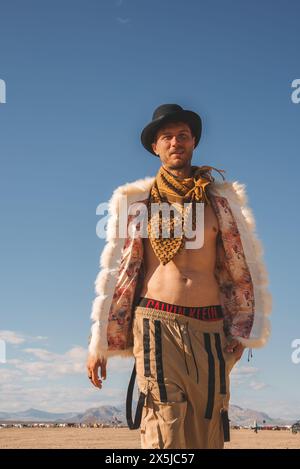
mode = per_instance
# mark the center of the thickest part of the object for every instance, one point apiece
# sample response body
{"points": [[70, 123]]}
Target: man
{"points": [[189, 311]]}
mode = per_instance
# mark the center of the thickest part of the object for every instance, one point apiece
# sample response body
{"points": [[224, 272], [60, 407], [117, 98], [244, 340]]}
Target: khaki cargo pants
{"points": [[183, 370]]}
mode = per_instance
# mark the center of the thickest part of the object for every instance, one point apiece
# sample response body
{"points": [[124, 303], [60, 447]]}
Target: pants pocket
{"points": [[162, 423]]}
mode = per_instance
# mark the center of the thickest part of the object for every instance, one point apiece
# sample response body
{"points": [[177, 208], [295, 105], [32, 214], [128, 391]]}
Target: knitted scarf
{"points": [[173, 190]]}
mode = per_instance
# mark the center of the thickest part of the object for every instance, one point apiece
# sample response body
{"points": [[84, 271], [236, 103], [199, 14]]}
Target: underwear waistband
{"points": [[204, 313]]}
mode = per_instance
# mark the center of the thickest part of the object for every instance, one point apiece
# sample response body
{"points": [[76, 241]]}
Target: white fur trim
{"points": [[236, 195]]}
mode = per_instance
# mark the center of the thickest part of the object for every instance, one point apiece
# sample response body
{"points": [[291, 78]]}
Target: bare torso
{"points": [[188, 279]]}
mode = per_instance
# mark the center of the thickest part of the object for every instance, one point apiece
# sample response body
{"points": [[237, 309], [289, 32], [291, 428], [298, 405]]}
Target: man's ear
{"points": [[154, 147]]}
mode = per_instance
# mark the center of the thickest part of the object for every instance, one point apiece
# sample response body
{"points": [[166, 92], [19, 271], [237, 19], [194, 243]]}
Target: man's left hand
{"points": [[234, 346]]}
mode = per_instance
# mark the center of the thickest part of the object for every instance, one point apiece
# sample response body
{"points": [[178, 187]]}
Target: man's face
{"points": [[174, 144]]}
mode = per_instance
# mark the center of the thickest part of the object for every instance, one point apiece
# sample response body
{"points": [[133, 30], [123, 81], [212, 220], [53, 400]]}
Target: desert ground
{"points": [[121, 438]]}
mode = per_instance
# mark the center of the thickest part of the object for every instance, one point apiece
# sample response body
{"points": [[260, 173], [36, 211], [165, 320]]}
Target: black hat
{"points": [[170, 113]]}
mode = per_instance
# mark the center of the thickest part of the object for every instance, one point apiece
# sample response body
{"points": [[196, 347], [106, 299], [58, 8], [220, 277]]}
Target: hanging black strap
{"points": [[225, 424], [133, 425]]}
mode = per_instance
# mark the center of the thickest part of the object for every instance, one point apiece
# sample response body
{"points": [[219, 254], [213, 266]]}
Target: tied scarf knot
{"points": [[197, 193]]}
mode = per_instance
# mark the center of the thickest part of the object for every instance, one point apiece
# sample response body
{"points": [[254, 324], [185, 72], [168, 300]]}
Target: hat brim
{"points": [[189, 117]]}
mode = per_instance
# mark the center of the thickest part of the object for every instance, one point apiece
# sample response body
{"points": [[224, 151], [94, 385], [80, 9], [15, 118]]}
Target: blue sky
{"points": [[82, 79]]}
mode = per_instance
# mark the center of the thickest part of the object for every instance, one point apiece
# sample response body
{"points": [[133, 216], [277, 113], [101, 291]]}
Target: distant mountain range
{"points": [[103, 414], [245, 417], [108, 414], [36, 415]]}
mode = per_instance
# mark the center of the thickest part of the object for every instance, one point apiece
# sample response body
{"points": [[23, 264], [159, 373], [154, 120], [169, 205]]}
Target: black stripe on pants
{"points": [[211, 377], [146, 344], [159, 362], [221, 364]]}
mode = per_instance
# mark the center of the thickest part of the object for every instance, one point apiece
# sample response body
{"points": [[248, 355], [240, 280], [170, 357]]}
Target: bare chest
{"points": [[211, 224]]}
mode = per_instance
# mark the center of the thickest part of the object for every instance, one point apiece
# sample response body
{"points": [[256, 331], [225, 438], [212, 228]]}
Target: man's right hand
{"points": [[93, 365]]}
